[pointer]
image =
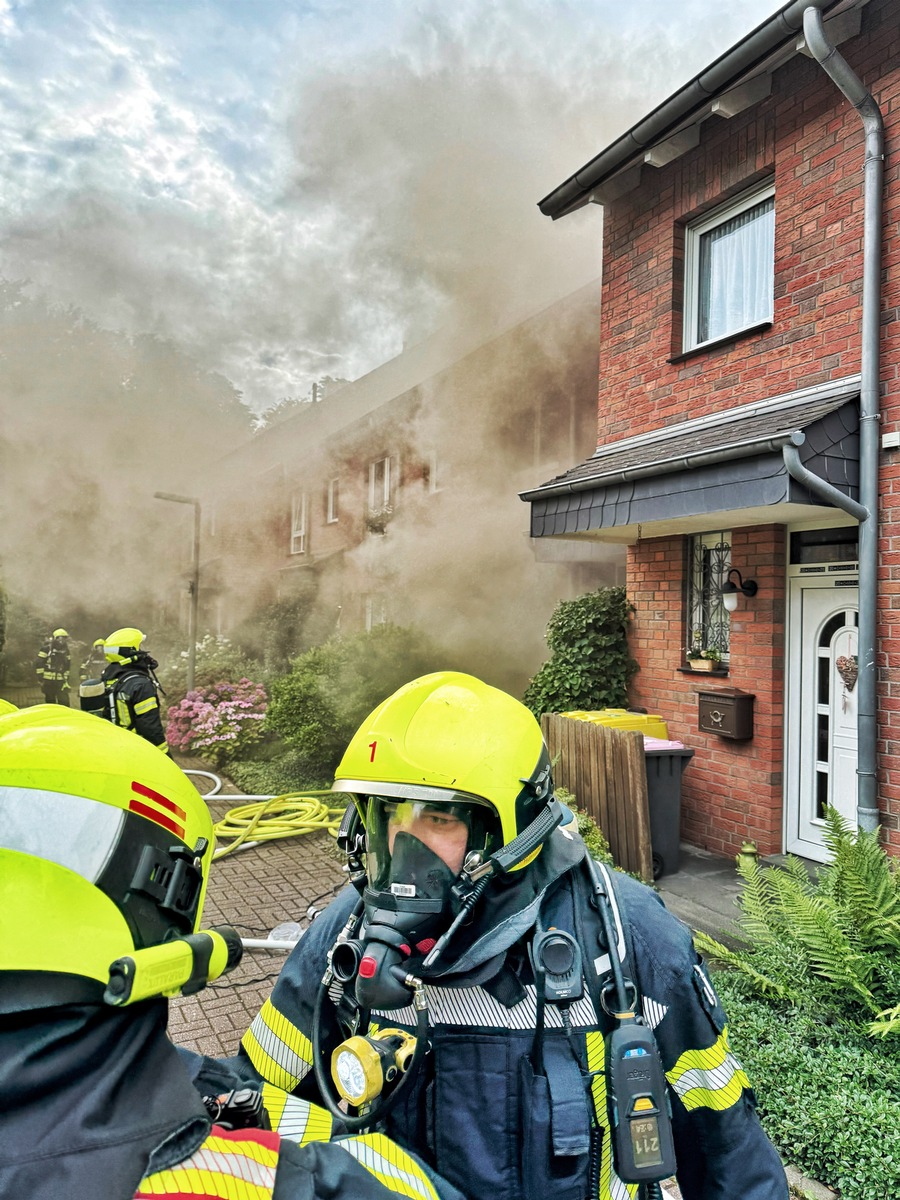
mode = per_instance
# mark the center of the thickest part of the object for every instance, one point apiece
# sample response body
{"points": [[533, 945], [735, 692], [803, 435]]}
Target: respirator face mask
{"points": [[415, 852]]}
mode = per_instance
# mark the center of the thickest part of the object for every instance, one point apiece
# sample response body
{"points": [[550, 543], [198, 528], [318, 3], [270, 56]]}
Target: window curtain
{"points": [[737, 272]]}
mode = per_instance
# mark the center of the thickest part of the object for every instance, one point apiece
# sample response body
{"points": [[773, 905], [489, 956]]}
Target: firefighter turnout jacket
{"points": [[481, 1112], [96, 1103], [52, 667], [132, 698]]}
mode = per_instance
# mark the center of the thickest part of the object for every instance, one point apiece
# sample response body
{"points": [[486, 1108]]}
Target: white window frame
{"points": [[432, 462], [332, 501], [694, 234], [376, 610], [380, 498], [299, 522]]}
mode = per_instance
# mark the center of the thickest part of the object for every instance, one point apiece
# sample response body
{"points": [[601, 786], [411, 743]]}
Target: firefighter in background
{"points": [[131, 687], [52, 667], [105, 850], [95, 663]]}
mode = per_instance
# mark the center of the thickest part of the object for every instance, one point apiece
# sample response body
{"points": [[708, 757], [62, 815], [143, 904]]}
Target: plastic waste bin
{"points": [[666, 762], [648, 724]]}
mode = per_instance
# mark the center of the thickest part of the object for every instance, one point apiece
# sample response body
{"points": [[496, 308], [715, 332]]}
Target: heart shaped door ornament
{"points": [[848, 670]]}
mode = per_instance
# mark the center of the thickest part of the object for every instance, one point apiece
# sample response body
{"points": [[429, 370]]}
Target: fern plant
{"points": [[829, 943]]}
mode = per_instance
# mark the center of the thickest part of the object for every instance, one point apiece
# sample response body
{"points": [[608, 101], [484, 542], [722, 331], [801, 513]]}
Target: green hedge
{"points": [[829, 1097]]}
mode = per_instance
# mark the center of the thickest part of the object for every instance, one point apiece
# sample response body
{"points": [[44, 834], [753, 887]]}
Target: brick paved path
{"points": [[254, 890]]}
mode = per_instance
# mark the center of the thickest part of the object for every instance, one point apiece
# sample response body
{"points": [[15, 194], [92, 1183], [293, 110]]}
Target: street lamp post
{"points": [[195, 582]]}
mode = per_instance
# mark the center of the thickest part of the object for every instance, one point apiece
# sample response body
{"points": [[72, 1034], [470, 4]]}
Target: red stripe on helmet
{"points": [[158, 798], [144, 810]]}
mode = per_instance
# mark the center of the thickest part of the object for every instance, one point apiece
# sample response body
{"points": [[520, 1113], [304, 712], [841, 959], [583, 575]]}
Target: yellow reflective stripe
{"points": [[391, 1165], [278, 1050], [296, 1119], [145, 705], [221, 1168], [711, 1078], [611, 1186]]}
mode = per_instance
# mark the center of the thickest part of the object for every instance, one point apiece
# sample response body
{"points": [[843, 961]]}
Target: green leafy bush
{"points": [[281, 771], [829, 1097], [317, 708], [827, 945], [591, 666]]}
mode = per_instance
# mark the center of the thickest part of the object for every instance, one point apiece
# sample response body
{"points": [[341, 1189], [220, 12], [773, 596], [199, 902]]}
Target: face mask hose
{"points": [[366, 1063]]}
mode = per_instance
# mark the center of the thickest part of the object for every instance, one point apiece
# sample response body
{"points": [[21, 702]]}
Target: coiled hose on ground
{"points": [[259, 819]]}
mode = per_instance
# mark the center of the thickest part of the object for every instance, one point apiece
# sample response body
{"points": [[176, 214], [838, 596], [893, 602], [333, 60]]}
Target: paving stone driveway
{"points": [[254, 890]]}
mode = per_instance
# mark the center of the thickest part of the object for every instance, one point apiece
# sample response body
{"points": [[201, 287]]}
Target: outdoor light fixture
{"points": [[730, 589]]}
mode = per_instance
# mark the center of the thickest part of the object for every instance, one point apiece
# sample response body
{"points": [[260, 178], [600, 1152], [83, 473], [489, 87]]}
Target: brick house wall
{"points": [[810, 142]]}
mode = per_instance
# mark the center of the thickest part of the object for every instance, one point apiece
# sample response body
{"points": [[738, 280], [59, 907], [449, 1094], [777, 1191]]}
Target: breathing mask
{"points": [[416, 851]]}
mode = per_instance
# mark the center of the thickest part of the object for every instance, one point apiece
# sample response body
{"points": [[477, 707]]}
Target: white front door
{"points": [[821, 709]]}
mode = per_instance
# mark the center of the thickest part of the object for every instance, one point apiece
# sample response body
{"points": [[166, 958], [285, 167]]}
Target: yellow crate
{"points": [[619, 718]]}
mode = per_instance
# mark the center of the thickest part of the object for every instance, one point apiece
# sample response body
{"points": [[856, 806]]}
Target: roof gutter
{"points": [[837, 68], [725, 72]]}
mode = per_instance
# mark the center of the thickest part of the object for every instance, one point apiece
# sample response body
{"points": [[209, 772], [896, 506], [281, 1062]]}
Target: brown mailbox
{"points": [[727, 712]]}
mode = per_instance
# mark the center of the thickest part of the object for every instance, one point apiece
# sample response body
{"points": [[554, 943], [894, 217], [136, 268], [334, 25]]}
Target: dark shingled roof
{"points": [[736, 433]]}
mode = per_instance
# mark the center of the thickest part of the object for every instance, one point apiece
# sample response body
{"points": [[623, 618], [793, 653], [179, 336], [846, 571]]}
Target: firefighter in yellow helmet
{"points": [[95, 662], [52, 667], [105, 849], [498, 1001], [132, 690]]}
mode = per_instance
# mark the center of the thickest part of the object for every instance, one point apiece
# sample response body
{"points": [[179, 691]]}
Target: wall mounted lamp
{"points": [[730, 589]]}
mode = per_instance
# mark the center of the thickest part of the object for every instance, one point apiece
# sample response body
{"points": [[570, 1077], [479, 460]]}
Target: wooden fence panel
{"points": [[606, 771]]}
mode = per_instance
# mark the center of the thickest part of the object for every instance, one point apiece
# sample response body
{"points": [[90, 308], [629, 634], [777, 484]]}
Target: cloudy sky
{"points": [[290, 190]]}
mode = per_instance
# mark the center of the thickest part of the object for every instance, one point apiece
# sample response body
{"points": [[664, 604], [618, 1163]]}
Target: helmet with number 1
{"points": [[123, 645], [450, 745], [105, 848]]}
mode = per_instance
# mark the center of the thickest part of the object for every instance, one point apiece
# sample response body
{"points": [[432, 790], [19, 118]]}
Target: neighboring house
{"points": [[395, 498], [731, 359]]}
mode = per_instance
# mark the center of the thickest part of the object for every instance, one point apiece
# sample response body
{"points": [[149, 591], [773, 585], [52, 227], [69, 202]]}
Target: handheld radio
{"points": [[643, 1146]]}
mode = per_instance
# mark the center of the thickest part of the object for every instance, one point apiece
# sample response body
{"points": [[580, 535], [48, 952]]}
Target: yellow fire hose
{"points": [[289, 815]]}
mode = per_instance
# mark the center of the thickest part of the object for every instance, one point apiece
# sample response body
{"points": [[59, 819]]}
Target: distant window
{"points": [[730, 268], [430, 473], [379, 484], [376, 611], [298, 523], [707, 621], [331, 503]]}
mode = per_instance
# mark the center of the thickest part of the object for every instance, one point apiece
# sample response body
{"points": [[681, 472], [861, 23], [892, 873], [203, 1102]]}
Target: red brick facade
{"points": [[809, 141]]}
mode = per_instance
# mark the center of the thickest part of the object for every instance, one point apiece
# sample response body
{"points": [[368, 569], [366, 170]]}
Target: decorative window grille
{"points": [[730, 268], [708, 624], [298, 523]]}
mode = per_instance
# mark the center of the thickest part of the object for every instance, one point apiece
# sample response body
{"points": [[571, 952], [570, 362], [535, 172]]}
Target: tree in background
{"points": [[591, 666], [319, 705]]}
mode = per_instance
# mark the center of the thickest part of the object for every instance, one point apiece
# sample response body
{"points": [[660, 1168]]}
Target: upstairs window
{"points": [[380, 485], [707, 620], [730, 269], [298, 523], [331, 501]]}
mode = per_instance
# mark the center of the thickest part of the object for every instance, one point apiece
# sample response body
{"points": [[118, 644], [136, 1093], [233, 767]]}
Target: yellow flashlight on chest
{"points": [[362, 1066]]}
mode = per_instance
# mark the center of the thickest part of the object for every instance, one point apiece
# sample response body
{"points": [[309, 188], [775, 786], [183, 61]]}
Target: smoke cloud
{"points": [[207, 204]]}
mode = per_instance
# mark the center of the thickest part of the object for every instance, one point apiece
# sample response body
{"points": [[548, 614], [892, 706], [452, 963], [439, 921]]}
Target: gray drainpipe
{"points": [[866, 512]]}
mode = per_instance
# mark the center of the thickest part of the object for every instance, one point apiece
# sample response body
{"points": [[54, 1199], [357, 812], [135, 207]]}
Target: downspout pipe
{"points": [[846, 80]]}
